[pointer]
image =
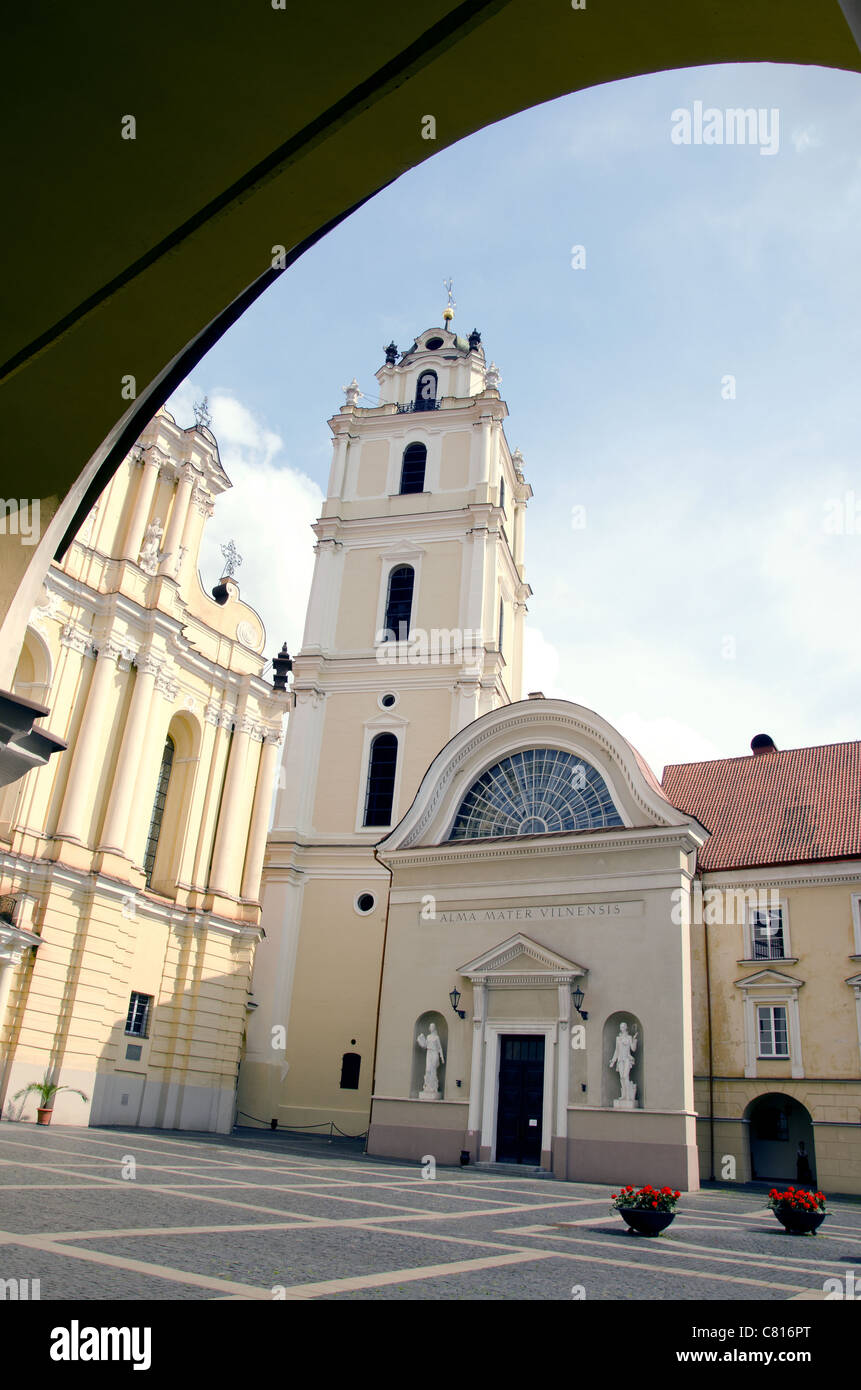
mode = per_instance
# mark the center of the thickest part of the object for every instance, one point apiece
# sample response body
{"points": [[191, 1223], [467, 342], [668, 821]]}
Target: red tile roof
{"points": [[789, 807]]}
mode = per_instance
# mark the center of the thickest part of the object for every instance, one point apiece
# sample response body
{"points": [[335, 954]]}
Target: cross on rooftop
{"points": [[232, 558]]}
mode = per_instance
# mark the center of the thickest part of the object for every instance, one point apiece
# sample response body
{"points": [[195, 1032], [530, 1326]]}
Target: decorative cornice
{"points": [[167, 686], [75, 637], [807, 875], [221, 716], [46, 612], [577, 842]]}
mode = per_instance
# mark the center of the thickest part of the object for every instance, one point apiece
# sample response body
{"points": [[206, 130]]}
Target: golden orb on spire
{"points": [[448, 311]]}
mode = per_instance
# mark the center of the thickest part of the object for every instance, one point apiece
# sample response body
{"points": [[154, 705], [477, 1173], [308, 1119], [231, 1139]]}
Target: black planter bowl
{"points": [[644, 1222], [800, 1223]]}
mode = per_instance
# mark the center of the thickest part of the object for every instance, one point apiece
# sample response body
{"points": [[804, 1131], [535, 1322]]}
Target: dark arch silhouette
{"points": [[413, 467], [163, 250], [381, 780], [399, 603], [777, 1124], [426, 391]]}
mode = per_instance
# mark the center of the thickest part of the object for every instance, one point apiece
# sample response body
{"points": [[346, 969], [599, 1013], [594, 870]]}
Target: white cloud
{"points": [[665, 740], [540, 664], [805, 139], [268, 513]]}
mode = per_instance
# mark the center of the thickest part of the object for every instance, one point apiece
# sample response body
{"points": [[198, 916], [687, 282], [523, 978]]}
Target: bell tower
{"points": [[414, 629]]}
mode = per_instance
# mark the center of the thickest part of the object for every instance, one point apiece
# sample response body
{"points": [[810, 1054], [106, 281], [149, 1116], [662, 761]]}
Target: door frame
{"points": [[492, 1060]]}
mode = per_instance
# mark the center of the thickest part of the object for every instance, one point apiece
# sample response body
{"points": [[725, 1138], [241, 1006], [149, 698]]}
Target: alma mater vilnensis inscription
{"points": [[561, 911]]}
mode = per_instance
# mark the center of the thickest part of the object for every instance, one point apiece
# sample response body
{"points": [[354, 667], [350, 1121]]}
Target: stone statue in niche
{"points": [[432, 1045], [623, 1062], [150, 555]]}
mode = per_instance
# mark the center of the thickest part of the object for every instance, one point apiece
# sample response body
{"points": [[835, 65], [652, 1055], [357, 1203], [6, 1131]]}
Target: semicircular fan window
{"points": [[535, 792]]}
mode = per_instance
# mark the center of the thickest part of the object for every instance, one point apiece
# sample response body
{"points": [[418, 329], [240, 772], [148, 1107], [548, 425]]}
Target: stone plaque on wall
{"points": [[464, 916]]}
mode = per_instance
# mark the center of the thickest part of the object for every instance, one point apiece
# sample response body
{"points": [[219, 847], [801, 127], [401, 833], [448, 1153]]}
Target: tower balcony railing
{"points": [[417, 405]]}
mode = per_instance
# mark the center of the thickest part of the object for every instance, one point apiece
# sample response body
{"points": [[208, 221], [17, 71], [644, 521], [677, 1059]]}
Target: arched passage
{"points": [[777, 1125]]}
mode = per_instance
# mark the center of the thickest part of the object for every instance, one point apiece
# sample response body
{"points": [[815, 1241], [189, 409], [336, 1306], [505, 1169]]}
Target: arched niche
{"points": [[611, 1089], [33, 676], [422, 1025], [34, 673]]}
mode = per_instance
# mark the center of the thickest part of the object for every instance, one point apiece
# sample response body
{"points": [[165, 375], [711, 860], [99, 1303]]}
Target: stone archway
{"points": [[776, 1124]]}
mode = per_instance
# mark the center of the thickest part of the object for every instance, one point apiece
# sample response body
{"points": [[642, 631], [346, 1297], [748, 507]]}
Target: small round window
{"points": [[365, 903], [387, 701], [434, 343]]}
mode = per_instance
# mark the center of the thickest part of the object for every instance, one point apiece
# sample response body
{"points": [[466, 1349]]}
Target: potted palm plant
{"points": [[46, 1090], [647, 1210]]}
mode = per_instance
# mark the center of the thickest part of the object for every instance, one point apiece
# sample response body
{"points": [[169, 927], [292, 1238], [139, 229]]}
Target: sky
{"points": [[686, 400]]}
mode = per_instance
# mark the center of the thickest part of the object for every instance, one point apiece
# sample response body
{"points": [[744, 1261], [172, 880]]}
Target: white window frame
{"points": [[387, 723], [854, 983], [856, 921], [772, 1056], [749, 939], [392, 560], [130, 1032], [783, 990]]}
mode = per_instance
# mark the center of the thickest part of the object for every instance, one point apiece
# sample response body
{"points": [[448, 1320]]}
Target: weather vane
{"points": [[232, 559], [448, 311], [202, 417]]}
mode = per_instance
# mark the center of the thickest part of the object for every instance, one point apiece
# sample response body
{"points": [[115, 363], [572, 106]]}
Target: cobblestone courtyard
{"points": [[257, 1216]]}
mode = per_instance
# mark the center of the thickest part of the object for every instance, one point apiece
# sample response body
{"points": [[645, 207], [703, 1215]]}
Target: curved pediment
{"points": [[616, 789]]}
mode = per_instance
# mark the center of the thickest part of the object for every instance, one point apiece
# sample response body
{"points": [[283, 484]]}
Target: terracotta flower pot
{"points": [[645, 1222], [43, 1114], [799, 1223]]}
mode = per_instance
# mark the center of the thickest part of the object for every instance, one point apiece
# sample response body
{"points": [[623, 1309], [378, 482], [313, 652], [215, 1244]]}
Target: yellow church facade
{"points": [[130, 863]]}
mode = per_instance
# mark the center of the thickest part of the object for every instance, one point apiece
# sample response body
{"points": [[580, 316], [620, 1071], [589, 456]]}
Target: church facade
{"points": [[537, 872], [483, 914], [130, 863]]}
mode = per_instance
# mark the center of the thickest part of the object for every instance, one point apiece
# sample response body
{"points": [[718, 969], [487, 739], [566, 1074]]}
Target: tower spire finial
{"points": [[448, 311]]}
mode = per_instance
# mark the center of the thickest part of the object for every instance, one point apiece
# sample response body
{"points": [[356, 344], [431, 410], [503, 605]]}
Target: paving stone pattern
{"points": [[258, 1216]]}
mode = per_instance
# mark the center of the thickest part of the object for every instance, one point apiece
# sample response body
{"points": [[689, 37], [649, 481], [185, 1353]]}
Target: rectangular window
{"points": [[767, 933], [773, 1031], [856, 921], [137, 1020]]}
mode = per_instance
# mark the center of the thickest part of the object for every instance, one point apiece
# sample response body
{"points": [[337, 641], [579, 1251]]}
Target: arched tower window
{"points": [[501, 493], [535, 792], [399, 603], [158, 808], [413, 468], [381, 780], [426, 389]]}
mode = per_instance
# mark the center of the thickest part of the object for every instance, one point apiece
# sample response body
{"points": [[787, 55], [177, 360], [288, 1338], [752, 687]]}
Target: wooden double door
{"points": [[521, 1099]]}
